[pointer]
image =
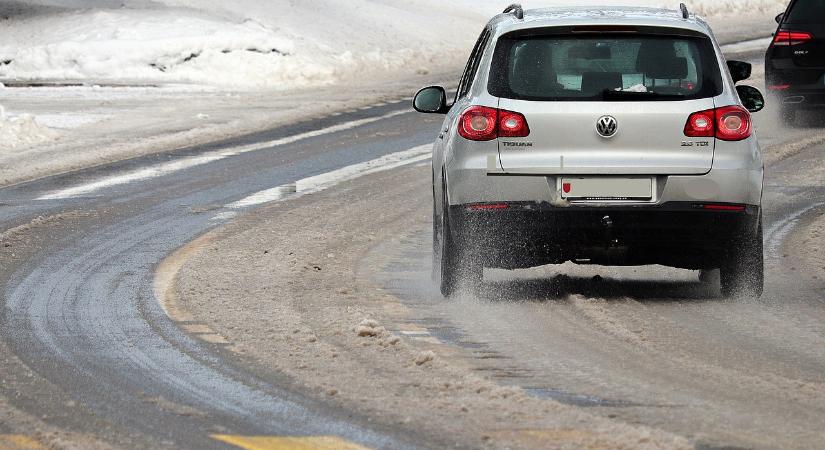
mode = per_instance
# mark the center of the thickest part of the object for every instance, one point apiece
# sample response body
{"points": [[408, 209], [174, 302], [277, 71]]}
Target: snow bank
{"points": [[249, 44], [21, 131], [151, 46], [244, 45]]}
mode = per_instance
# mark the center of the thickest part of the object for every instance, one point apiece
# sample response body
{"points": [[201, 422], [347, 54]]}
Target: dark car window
{"points": [[603, 68], [807, 11]]}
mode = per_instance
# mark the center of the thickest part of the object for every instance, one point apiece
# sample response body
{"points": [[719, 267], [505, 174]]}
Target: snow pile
{"points": [[218, 47], [250, 44], [21, 131], [152, 46]]}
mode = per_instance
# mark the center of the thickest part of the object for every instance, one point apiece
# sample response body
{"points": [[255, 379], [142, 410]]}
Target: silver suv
{"points": [[612, 136]]}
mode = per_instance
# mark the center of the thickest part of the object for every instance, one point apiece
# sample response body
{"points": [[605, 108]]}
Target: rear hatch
{"points": [[809, 52], [804, 28], [613, 103], [565, 139]]}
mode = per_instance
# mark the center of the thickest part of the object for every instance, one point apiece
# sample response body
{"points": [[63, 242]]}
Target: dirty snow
{"points": [[414, 383], [19, 131]]}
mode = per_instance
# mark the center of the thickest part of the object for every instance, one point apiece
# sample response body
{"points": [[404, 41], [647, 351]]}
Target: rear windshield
{"points": [[605, 68], [807, 11]]}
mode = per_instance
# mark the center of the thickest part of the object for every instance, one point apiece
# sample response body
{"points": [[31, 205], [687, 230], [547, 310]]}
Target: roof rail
{"points": [[685, 13], [516, 10]]}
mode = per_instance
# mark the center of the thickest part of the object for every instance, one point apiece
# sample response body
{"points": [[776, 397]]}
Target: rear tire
{"points": [[743, 272], [457, 267]]}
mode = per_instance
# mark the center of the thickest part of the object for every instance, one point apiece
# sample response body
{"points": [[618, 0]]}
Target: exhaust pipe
{"points": [[794, 100]]}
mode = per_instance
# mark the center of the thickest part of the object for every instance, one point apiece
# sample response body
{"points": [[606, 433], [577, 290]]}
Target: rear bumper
{"points": [[679, 234], [802, 87], [801, 98]]}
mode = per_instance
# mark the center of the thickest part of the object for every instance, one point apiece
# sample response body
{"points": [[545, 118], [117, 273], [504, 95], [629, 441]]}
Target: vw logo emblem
{"points": [[607, 126]]}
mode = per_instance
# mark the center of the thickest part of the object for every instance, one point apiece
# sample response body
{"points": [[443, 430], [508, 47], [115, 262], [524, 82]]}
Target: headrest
{"points": [[673, 68], [532, 72], [657, 59], [531, 57]]}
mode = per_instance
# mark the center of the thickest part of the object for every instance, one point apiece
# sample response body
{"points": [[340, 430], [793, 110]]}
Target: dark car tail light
{"points": [[728, 123], [788, 37], [481, 123]]}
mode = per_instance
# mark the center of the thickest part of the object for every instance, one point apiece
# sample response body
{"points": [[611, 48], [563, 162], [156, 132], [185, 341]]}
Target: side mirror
{"points": [[751, 98], [432, 99], [779, 17], [739, 70]]}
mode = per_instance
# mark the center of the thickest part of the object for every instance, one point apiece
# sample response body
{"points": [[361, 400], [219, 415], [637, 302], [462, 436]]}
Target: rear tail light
{"points": [[512, 124], [480, 123], [787, 37], [729, 123], [700, 124], [779, 87]]}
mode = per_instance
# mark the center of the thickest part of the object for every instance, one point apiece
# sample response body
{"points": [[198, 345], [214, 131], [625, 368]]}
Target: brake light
{"points": [[480, 123], [512, 124], [728, 123], [700, 124], [787, 37], [733, 123], [779, 87]]}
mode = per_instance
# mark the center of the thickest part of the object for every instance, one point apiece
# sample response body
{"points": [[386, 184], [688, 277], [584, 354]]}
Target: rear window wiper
{"points": [[610, 94]]}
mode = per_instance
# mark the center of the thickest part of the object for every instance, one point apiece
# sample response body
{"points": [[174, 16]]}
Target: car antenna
{"points": [[516, 10], [685, 13]]}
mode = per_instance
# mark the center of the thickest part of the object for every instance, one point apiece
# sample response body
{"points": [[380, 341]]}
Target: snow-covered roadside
{"points": [[92, 126], [281, 45]]}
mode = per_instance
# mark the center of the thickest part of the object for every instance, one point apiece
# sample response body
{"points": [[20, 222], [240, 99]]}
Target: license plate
{"points": [[606, 188]]}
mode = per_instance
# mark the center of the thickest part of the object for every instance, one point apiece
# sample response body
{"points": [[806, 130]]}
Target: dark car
{"points": [[795, 61]]}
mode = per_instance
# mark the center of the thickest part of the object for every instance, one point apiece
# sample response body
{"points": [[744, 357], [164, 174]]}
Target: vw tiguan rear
{"points": [[611, 136]]}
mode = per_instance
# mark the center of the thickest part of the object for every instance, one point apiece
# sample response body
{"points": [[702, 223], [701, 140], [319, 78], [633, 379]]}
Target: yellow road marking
{"points": [[563, 437], [18, 442], [288, 443]]}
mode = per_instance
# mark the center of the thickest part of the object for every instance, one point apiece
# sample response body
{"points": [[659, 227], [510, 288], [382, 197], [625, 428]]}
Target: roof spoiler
{"points": [[685, 12], [516, 10]]}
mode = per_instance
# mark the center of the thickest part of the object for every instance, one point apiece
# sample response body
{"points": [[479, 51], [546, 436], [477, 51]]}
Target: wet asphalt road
{"points": [[80, 311], [80, 315]]}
